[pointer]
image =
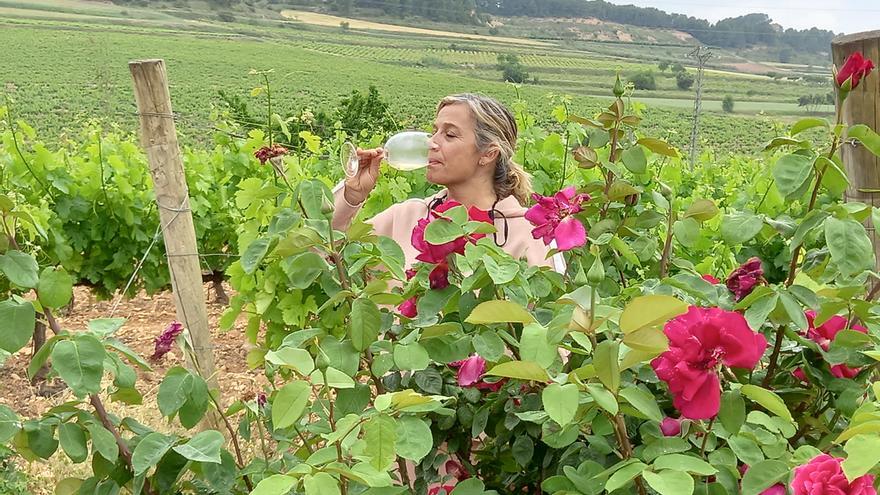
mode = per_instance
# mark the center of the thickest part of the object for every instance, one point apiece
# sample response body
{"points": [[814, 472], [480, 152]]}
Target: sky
{"points": [[840, 16]]}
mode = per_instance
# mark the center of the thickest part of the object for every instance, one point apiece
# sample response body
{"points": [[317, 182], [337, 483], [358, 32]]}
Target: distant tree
{"points": [[677, 67], [684, 80], [663, 66], [643, 80], [511, 69], [727, 104], [344, 25]]}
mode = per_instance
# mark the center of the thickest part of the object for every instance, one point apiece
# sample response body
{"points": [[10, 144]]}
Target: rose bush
{"points": [[471, 372]]}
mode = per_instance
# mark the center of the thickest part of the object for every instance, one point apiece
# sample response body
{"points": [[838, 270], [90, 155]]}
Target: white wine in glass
{"points": [[403, 151]]}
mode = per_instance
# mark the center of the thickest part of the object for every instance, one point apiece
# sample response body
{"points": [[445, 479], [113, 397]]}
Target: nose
{"points": [[432, 145]]}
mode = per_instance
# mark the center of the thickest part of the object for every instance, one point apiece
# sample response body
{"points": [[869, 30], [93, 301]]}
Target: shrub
{"points": [[643, 80], [684, 80], [727, 104]]}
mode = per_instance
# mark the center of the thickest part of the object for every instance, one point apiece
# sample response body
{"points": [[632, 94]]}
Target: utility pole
{"points": [[702, 55]]}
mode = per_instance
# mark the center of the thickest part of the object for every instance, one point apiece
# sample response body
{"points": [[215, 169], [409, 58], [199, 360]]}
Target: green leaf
{"points": [[204, 447], [499, 312], [658, 146], [867, 136], [412, 357], [254, 254], [21, 269], [649, 311], [333, 377], [414, 439], [733, 411], [670, 482], [769, 400], [740, 227], [174, 391], [561, 402], [366, 321], [19, 319], [807, 123], [105, 326], [392, 256], [634, 160], [500, 273], [9, 423], [794, 311], [289, 404], [606, 359], [763, 475], [321, 484], [687, 232], [303, 269], [811, 221], [103, 442], [862, 454], [849, 245], [523, 450], [441, 231], [790, 173], [603, 397], [73, 442], [380, 435], [55, 287], [149, 451], [534, 346], [623, 476], [643, 401], [294, 358], [701, 210], [520, 370], [80, 363], [277, 484], [682, 462]]}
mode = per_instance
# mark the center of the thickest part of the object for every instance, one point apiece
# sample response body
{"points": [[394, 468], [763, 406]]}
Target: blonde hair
{"points": [[496, 128]]}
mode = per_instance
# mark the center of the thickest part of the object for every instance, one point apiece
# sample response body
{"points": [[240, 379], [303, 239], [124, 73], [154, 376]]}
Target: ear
{"points": [[489, 156]]}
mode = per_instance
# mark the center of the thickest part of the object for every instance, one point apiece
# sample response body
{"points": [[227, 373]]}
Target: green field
{"points": [[65, 63]]}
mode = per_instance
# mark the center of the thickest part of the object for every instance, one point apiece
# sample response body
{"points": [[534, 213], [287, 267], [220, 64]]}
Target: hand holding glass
{"points": [[403, 151]]}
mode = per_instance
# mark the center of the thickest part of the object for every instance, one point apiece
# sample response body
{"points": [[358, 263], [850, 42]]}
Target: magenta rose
{"points": [[743, 280], [165, 340], [700, 342], [670, 427], [553, 218], [824, 476]]}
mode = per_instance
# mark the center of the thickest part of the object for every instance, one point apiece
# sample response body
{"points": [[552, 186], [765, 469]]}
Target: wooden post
{"points": [[862, 106], [159, 139]]}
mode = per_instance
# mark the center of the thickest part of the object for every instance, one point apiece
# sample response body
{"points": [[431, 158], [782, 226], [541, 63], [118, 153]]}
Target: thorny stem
{"points": [[792, 268], [667, 246], [120, 443], [774, 357], [625, 446], [706, 436]]}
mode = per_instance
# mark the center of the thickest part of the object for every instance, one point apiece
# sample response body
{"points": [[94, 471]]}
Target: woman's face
{"points": [[453, 157]]}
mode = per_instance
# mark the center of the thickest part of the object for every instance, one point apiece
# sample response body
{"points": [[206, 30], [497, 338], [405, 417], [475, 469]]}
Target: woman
{"points": [[471, 154]]}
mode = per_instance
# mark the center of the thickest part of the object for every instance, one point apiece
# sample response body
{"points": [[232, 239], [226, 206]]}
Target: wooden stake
{"points": [[862, 106], [159, 139]]}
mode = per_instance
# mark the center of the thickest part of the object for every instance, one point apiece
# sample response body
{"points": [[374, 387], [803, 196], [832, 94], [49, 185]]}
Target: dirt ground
{"points": [[146, 317]]}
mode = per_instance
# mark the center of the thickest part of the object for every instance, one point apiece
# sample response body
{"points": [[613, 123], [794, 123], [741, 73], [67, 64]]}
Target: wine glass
{"points": [[404, 151]]}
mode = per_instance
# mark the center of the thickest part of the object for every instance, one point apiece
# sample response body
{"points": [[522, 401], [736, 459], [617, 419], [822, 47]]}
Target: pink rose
{"points": [[441, 490], [670, 427], [553, 218], [825, 333], [824, 476], [700, 341], [470, 374]]}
